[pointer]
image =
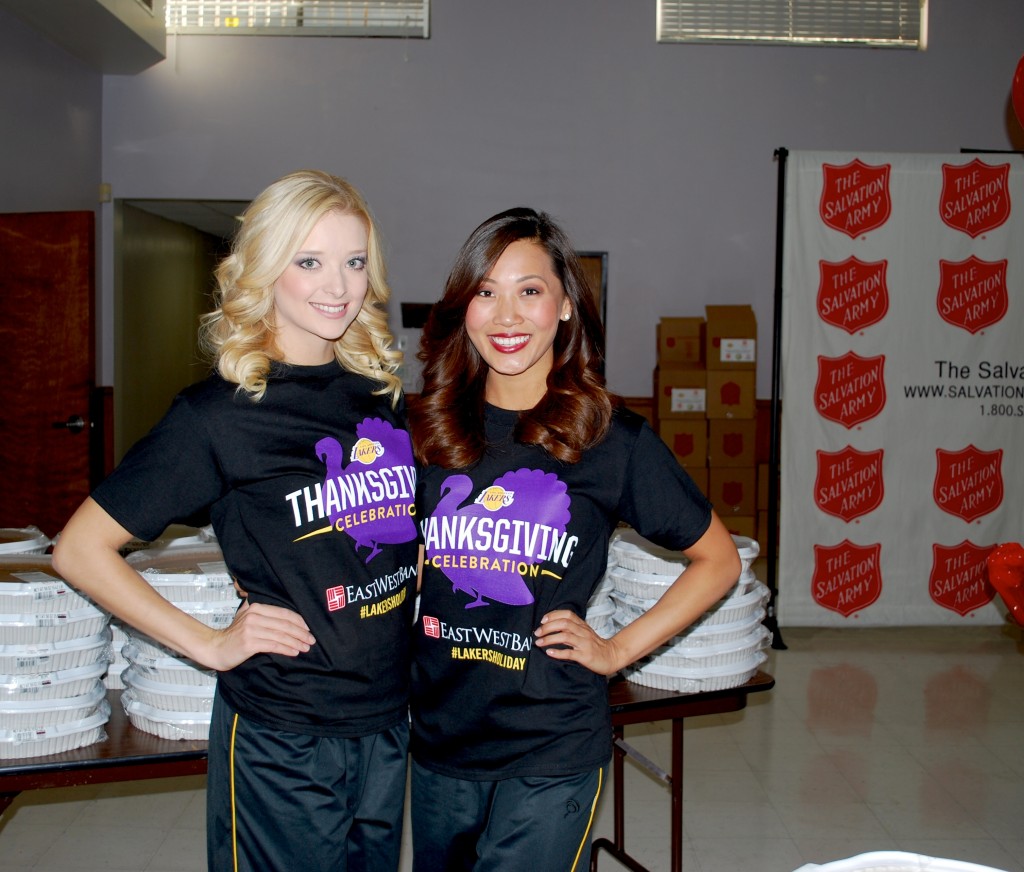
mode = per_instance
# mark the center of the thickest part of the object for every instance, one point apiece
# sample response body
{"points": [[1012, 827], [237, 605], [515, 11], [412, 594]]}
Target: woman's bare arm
{"points": [[87, 556], [714, 567]]}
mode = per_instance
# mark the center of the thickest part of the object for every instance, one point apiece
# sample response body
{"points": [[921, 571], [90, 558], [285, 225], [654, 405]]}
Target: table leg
{"points": [[617, 847], [677, 795]]}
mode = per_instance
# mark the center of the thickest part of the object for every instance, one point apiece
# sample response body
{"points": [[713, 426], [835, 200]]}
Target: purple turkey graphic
{"points": [[370, 498], [508, 530]]}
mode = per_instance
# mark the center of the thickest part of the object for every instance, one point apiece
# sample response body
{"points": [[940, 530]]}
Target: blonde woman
{"points": [[296, 450]]}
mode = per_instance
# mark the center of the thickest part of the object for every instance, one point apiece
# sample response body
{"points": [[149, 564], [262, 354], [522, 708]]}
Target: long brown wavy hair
{"points": [[447, 419]]}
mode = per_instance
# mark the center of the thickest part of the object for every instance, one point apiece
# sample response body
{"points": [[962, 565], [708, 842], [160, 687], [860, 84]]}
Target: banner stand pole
{"points": [[771, 621]]}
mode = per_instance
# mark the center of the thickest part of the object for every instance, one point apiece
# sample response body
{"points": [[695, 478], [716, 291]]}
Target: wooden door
{"points": [[47, 341]]}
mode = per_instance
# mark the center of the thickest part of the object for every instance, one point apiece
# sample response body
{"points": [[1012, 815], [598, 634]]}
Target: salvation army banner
{"points": [[902, 436]]}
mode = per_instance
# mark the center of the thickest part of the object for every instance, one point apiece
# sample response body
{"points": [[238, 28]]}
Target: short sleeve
{"points": [[169, 476], [659, 499]]}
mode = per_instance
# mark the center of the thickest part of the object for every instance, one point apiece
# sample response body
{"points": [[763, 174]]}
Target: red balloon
{"points": [[1006, 573], [1017, 91]]}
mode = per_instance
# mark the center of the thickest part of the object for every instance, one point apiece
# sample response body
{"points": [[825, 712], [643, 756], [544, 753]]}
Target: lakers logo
{"points": [[366, 451], [495, 497]]}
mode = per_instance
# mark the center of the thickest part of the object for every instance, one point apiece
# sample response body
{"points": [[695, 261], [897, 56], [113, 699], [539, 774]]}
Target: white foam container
{"points": [[642, 585], [632, 551], [55, 738], [748, 550], [51, 685], [183, 536], [735, 607], [196, 589], [29, 585], [168, 697], [55, 656], [23, 540], [186, 573], [178, 555], [217, 614], [112, 680], [732, 608], [629, 549], [896, 861], [167, 724], [744, 583], [119, 630], [694, 680], [706, 657], [36, 628], [717, 634], [145, 646], [165, 668], [41, 714]]}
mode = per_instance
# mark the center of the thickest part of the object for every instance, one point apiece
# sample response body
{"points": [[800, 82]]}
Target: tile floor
{"points": [[873, 739]]}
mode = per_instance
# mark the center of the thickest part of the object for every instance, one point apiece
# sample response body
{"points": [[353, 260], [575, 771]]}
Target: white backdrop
{"points": [[902, 386]]}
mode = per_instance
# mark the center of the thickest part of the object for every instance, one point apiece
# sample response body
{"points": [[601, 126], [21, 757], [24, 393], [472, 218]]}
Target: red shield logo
{"points": [[732, 444], [732, 493], [847, 577], [975, 197], [852, 295], [968, 483], [972, 293], [855, 197], [849, 482], [850, 389], [959, 580], [682, 444], [730, 394]]}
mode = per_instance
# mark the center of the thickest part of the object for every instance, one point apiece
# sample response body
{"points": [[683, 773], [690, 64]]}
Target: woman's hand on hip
{"points": [[258, 628], [564, 635]]}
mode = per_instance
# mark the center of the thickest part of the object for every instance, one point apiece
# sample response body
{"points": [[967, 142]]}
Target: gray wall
{"points": [[50, 108], [661, 155]]}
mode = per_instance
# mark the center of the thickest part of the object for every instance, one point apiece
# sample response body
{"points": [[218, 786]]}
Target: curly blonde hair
{"points": [[239, 333]]}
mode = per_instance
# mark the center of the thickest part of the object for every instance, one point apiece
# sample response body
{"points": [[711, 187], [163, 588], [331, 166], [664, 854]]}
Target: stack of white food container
{"points": [[722, 649], [54, 650], [23, 540], [176, 536], [166, 694], [601, 608]]}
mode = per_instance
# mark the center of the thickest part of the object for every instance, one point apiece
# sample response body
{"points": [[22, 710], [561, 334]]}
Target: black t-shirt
{"points": [[311, 494], [507, 541]]}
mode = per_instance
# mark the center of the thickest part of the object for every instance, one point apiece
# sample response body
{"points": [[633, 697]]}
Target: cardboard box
{"points": [[731, 442], [763, 534], [742, 525], [732, 490], [763, 481], [763, 413], [680, 392], [730, 394], [730, 337], [681, 342], [687, 439], [643, 406]]}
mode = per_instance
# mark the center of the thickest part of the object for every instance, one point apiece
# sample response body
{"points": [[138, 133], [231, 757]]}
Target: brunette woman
{"points": [[528, 466]]}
